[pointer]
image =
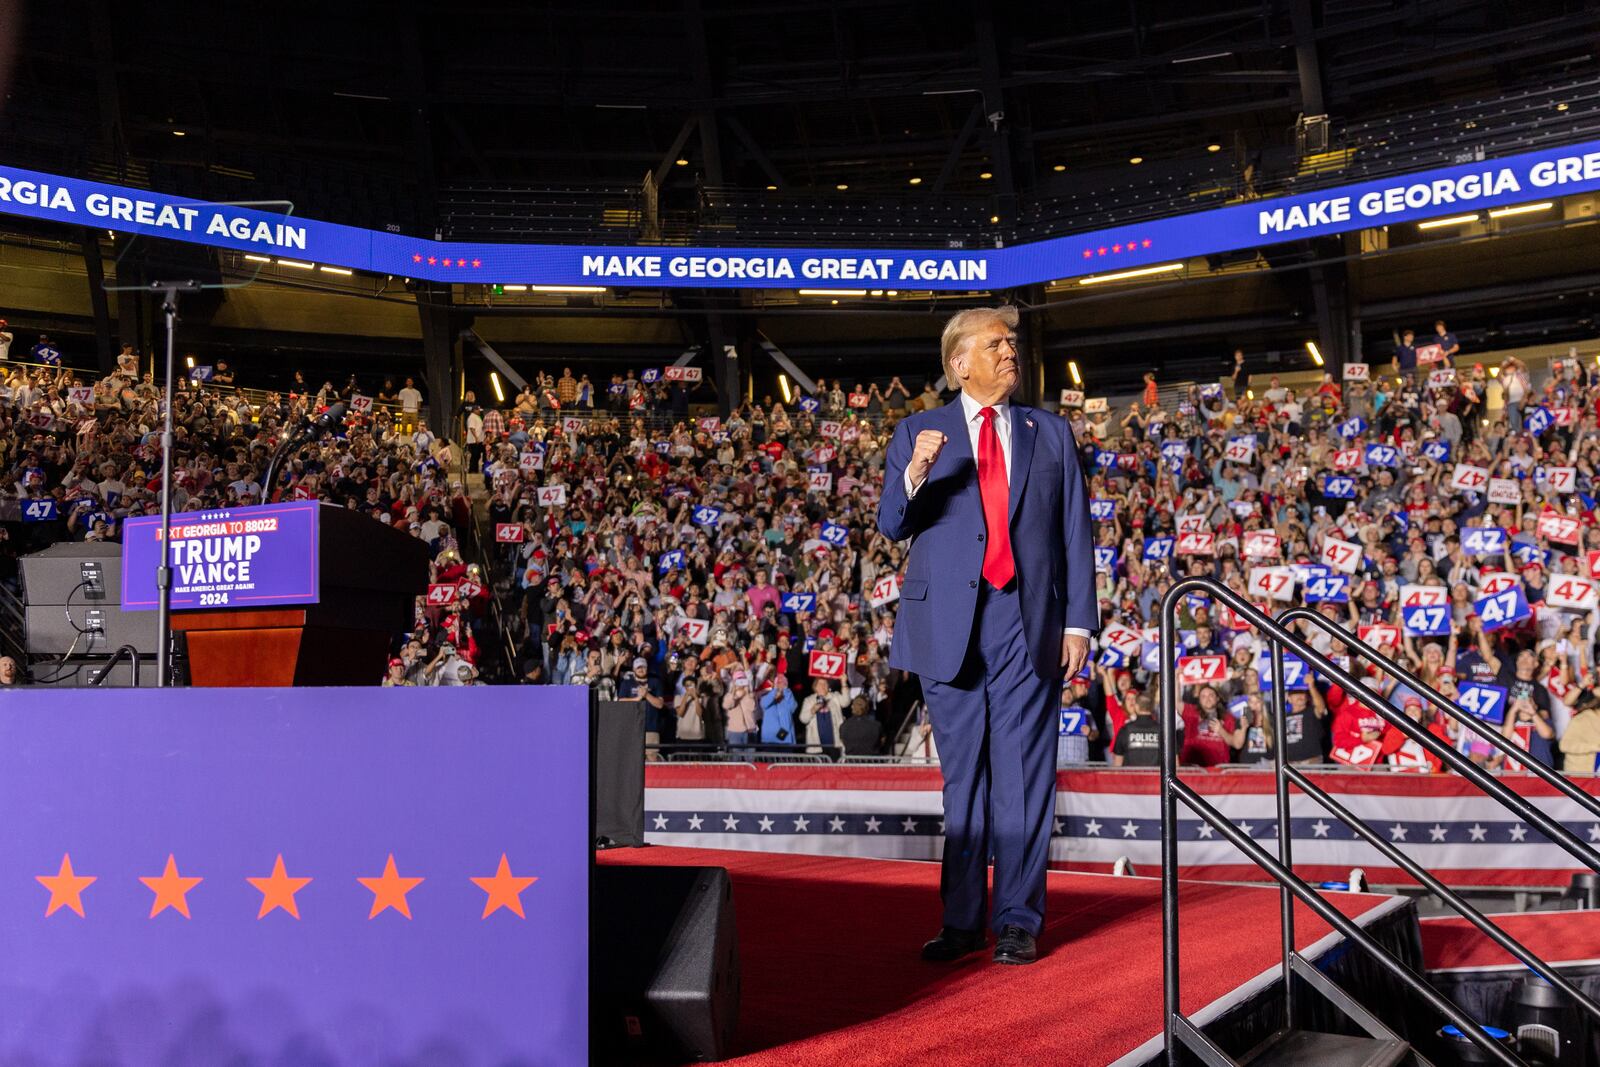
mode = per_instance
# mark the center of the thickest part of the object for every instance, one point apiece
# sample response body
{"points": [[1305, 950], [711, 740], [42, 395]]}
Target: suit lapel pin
{"points": [[1029, 422]]}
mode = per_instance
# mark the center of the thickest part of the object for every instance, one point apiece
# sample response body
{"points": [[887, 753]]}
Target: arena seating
{"points": [[578, 531]]}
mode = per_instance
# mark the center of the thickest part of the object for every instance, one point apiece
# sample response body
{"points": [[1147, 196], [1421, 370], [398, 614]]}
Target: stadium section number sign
{"points": [[234, 557]]}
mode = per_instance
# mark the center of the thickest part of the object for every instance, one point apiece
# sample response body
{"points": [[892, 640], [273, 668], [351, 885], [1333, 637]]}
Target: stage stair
{"points": [[1374, 1043]]}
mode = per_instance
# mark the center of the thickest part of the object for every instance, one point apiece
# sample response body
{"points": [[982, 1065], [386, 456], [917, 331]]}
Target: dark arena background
{"points": [[497, 399]]}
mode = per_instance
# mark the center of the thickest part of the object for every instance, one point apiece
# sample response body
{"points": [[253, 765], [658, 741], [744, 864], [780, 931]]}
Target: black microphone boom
{"points": [[311, 430]]}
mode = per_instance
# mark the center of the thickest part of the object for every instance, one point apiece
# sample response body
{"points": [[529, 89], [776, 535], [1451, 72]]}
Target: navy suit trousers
{"points": [[996, 725]]}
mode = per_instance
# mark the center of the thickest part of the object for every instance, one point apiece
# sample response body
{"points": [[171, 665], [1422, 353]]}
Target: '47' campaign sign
{"points": [[827, 664], [1328, 589], [1571, 592], [1102, 510], [1486, 702], [1105, 558], [1349, 428], [42, 510], [1342, 556], [885, 590], [1200, 670], [1339, 487], [835, 534], [1560, 528], [1382, 455], [1274, 582], [1483, 540], [1467, 476], [1295, 673], [1504, 608], [1158, 548], [706, 515], [794, 603], [1260, 544], [1427, 621]]}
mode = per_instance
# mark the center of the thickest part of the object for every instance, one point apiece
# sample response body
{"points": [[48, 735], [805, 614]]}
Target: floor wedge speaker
{"points": [[666, 964]]}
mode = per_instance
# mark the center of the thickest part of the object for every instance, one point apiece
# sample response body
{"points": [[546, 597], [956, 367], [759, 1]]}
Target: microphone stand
{"points": [[169, 306], [310, 431]]}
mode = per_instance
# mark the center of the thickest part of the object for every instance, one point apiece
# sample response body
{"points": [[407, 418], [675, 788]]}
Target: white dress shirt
{"points": [[970, 408]]}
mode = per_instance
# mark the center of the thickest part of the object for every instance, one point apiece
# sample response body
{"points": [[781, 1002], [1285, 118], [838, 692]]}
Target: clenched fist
{"points": [[924, 451]]}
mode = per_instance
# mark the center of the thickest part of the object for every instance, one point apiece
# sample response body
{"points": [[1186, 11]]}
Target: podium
{"points": [[369, 576]]}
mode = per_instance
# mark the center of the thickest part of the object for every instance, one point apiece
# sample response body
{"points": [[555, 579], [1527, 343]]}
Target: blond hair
{"points": [[962, 325]]}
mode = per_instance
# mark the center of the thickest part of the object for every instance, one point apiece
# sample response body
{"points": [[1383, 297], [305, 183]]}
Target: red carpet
{"points": [[1449, 943], [828, 948]]}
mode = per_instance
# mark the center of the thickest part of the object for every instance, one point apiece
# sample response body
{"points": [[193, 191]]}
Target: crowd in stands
{"points": [[82, 456], [728, 574], [1456, 538]]}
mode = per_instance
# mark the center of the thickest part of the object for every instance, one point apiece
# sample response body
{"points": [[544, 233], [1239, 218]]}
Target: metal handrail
{"points": [[1440, 702], [105, 671], [1180, 1032]]}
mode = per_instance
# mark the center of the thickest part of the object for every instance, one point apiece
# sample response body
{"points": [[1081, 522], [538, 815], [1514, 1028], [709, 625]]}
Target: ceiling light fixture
{"points": [[1453, 220], [1521, 209], [1123, 275]]}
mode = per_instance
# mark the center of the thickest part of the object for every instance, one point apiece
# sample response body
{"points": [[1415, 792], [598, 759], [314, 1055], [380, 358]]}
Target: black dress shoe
{"points": [[1015, 945], [952, 944]]}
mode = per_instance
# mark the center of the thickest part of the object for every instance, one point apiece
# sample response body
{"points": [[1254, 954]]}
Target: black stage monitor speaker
{"points": [[73, 597], [619, 774], [665, 961]]}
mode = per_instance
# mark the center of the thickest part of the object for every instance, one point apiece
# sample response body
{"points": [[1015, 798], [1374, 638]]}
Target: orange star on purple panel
{"points": [[171, 890], [504, 889], [278, 890], [389, 890], [66, 887]]}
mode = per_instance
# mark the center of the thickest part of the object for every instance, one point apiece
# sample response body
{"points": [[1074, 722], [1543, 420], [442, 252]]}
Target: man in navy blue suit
{"points": [[997, 604]]}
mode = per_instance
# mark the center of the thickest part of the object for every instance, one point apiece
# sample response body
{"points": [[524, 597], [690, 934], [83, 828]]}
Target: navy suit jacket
{"points": [[1050, 540]]}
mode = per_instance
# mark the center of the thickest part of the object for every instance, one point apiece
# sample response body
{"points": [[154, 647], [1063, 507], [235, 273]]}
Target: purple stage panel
{"points": [[481, 963], [259, 556]]}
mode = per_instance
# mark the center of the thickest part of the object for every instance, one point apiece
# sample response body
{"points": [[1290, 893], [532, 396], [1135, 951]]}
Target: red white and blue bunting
{"points": [[1442, 822]]}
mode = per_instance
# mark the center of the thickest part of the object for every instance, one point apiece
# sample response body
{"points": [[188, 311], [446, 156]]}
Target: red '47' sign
{"points": [[441, 594], [1198, 670], [827, 664], [1558, 527]]}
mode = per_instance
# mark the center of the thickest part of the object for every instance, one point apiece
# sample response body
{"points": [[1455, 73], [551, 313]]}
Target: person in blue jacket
{"points": [[777, 715]]}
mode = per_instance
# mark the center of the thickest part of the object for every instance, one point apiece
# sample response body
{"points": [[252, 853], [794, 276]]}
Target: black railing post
{"points": [[1285, 856], [1169, 827]]}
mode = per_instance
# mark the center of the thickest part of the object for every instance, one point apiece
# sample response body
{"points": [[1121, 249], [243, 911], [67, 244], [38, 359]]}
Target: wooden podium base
{"points": [[280, 647]]}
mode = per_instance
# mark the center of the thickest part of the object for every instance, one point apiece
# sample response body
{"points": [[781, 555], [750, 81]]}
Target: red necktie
{"points": [[998, 566]]}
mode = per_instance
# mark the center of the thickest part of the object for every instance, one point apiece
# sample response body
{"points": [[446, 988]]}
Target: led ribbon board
{"points": [[1464, 188]]}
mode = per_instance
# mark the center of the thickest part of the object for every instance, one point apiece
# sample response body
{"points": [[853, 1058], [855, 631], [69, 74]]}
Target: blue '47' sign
{"points": [[1483, 540], [1487, 702], [1504, 608], [1426, 621], [40, 511], [1339, 487], [1382, 455], [1157, 548], [797, 602], [1327, 588], [835, 534]]}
